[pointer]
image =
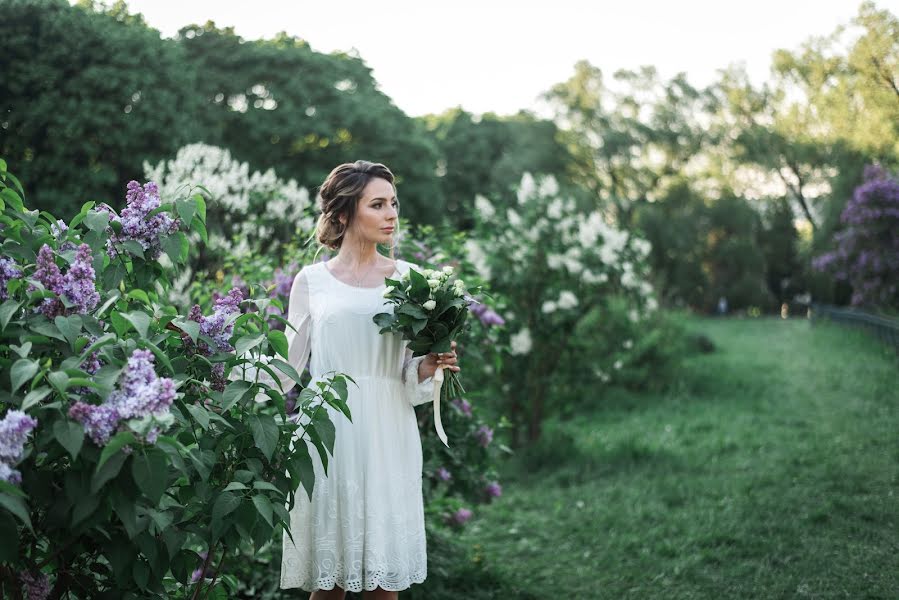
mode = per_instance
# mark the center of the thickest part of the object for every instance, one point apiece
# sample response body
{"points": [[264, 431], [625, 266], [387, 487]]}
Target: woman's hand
{"points": [[429, 365]]}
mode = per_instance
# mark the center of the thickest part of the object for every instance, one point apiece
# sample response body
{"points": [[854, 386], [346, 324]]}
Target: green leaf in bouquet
{"points": [[420, 288], [413, 310], [418, 326], [384, 320], [442, 345], [420, 346]]}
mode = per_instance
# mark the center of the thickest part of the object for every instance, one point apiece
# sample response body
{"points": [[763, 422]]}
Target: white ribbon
{"points": [[438, 383]]}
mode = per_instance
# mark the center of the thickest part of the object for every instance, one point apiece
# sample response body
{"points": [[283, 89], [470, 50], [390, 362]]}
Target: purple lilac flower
{"points": [[443, 474], [486, 314], [99, 421], [35, 586], [284, 280], [79, 286], [866, 250], [136, 225], [14, 430], [218, 377], [8, 271], [461, 516], [140, 394], [214, 325], [9, 475], [463, 405], [493, 489], [484, 435]]}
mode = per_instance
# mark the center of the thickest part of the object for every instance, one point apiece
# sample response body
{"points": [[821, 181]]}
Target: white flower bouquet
{"points": [[430, 310]]}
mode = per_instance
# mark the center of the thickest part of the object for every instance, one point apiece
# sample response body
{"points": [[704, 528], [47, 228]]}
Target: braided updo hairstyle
{"points": [[338, 196]]}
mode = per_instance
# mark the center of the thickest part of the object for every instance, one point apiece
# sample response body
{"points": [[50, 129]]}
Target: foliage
{"points": [[180, 471], [85, 97]]}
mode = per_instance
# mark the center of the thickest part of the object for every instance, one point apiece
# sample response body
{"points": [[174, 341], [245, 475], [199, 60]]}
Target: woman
{"points": [[364, 527]]}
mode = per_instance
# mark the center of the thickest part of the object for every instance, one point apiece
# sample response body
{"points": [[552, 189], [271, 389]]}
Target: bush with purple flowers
{"points": [[128, 460], [866, 252]]}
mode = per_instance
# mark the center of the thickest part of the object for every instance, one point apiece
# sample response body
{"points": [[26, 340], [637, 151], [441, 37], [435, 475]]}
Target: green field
{"points": [[770, 470]]}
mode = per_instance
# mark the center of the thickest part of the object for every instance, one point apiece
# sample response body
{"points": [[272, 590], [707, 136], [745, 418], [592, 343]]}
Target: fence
{"points": [[883, 327]]}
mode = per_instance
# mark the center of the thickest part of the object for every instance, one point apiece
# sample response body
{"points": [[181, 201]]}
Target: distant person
{"points": [[722, 305]]}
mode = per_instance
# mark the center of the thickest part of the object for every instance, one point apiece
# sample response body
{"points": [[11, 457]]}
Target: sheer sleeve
{"points": [[416, 392], [298, 342]]}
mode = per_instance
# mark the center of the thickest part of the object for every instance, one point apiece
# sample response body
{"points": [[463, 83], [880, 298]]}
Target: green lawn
{"points": [[771, 470]]}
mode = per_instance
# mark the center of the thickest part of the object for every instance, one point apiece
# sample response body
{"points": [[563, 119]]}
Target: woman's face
{"points": [[376, 213]]}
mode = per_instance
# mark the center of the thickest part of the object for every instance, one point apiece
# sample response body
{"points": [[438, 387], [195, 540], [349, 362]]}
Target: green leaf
{"points": [[13, 199], [325, 429], [139, 295], [70, 435], [97, 220], [17, 507], [301, 458], [234, 392], [107, 471], [412, 310], [263, 507], [140, 320], [225, 504], [200, 414], [22, 370], [191, 328], [186, 207], [150, 472], [279, 342], [34, 397], [59, 380], [117, 442], [265, 433], [246, 343], [201, 206], [133, 247], [7, 310], [287, 370], [235, 486]]}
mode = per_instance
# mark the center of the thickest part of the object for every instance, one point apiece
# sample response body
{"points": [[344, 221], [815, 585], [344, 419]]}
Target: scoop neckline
{"points": [[358, 287]]}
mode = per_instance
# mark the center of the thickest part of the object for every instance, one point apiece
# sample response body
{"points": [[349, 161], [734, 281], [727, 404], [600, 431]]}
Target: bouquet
{"points": [[430, 311]]}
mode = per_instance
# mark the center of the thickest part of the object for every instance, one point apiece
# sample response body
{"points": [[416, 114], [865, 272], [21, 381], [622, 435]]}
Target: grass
{"points": [[769, 470]]}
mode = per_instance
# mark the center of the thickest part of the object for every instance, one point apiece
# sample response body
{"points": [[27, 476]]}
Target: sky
{"points": [[499, 56]]}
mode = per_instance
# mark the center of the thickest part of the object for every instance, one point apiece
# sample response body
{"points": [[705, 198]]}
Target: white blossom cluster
{"points": [[252, 202]]}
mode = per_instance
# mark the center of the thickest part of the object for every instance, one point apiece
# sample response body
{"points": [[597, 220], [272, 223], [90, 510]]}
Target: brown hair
{"points": [[338, 196]]}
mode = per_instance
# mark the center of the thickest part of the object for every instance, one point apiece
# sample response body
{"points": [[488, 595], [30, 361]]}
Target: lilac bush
{"points": [[866, 253], [119, 461]]}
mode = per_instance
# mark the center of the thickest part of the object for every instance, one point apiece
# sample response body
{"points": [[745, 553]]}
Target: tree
{"points": [[86, 97]]}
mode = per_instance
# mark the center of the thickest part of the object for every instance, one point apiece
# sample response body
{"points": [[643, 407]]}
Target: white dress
{"points": [[364, 527]]}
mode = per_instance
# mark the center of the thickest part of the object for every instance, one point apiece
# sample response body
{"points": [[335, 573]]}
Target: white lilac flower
{"points": [[478, 257], [555, 208], [526, 188], [549, 186], [484, 207], [651, 304], [567, 299], [628, 344], [514, 218], [429, 305], [521, 342], [618, 364], [555, 261], [548, 307]]}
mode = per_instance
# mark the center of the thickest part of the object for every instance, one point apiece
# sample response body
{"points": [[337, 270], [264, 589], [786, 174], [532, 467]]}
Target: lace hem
{"points": [[340, 578]]}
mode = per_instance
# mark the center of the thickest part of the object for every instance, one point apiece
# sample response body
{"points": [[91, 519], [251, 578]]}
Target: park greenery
{"points": [[158, 199]]}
